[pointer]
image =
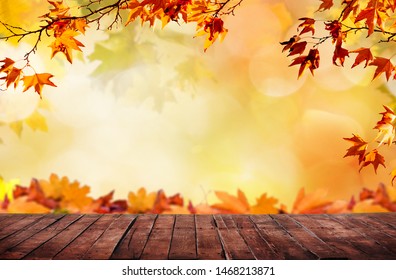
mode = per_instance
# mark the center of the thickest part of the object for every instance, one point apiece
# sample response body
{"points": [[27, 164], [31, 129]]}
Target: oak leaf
{"points": [[37, 81]]}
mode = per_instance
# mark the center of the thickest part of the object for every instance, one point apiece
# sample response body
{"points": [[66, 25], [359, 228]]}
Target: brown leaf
{"points": [[373, 158], [308, 25], [358, 149], [310, 61], [384, 65], [326, 5]]}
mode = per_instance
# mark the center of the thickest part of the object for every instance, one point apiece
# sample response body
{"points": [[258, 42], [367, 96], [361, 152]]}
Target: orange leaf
{"points": [[23, 205], [37, 81], [358, 149], [326, 5], [373, 158], [364, 54], [384, 65], [65, 43], [74, 197], [265, 205], [373, 15], [386, 127], [141, 202], [232, 204], [313, 203]]}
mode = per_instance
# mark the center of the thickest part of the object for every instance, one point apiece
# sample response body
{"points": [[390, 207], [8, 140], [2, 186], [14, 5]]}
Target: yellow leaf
{"points": [[22, 205], [265, 205], [6, 189], [367, 206], [36, 122], [17, 127], [141, 202]]}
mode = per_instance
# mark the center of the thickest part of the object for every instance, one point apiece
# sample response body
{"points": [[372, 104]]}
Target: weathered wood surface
{"points": [[58, 236]]}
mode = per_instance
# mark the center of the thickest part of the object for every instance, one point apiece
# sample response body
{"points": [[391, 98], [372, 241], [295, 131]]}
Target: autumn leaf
{"points": [[141, 201], [36, 122], [59, 9], [313, 203], [310, 61], [364, 54], [308, 25], [386, 127], [351, 8], [358, 149], [232, 204], [373, 15], [37, 81], [23, 205], [368, 206], [65, 43], [164, 204], [75, 197], [7, 188], [326, 5], [373, 158], [53, 187], [384, 65], [213, 28], [340, 54], [17, 127], [265, 205]]}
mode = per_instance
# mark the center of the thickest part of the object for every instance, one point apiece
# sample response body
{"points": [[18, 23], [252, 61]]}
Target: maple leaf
{"points": [[36, 122], [141, 202], [59, 9], [37, 81], [232, 204], [364, 54], [79, 24], [373, 158], [65, 43], [53, 187], [384, 65], [340, 54], [213, 28], [313, 203], [335, 28], [23, 205], [164, 204], [358, 149], [351, 8], [297, 48], [7, 188], [8, 65], [265, 205], [74, 197], [374, 15], [386, 127], [310, 61], [13, 74], [288, 44], [326, 5], [308, 25], [36, 193]]}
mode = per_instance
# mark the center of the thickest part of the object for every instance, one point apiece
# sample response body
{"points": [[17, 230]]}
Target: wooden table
{"points": [[57, 236]]}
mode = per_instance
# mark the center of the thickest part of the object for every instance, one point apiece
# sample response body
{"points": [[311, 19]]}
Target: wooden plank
{"points": [[281, 242], [389, 218], [234, 245], [259, 247], [208, 245], [183, 244], [103, 248], [329, 235], [158, 244], [80, 246], [307, 238], [20, 236], [49, 249], [388, 244], [11, 219], [132, 245], [18, 223], [27, 246], [3, 217], [373, 220], [359, 241]]}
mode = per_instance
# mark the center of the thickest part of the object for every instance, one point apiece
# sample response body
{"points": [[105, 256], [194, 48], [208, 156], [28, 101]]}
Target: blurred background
{"points": [[144, 107]]}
